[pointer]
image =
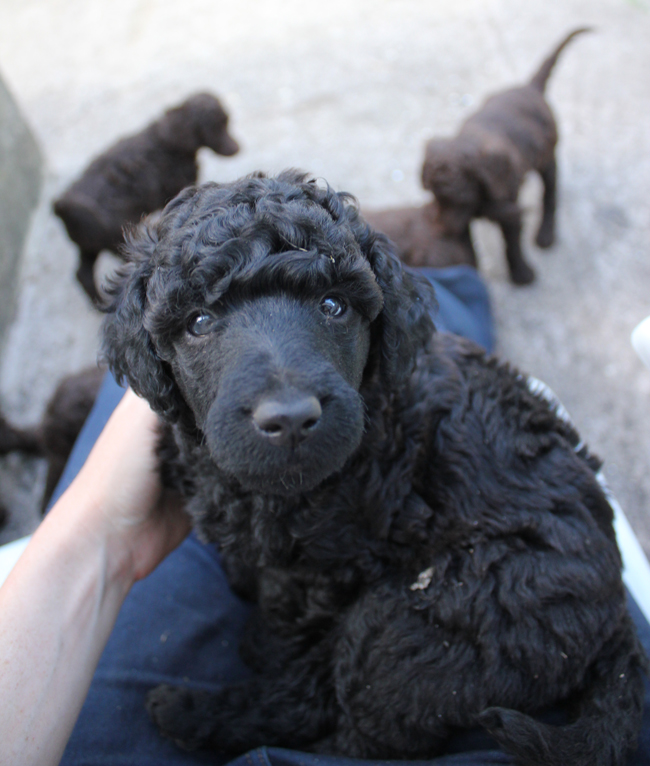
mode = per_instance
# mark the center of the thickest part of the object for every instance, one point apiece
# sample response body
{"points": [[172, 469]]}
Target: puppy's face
{"points": [[272, 381], [199, 121], [267, 342], [445, 172], [211, 121], [253, 314]]}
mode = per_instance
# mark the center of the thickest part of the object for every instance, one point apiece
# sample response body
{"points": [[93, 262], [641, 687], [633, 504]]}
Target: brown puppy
{"points": [[420, 238], [54, 437], [138, 175], [478, 173]]}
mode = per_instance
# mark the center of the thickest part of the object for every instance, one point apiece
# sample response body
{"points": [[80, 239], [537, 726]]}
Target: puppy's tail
{"points": [[608, 722], [539, 79]]}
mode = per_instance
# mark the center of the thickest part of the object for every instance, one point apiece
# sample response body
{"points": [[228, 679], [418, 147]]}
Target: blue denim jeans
{"points": [[182, 623]]}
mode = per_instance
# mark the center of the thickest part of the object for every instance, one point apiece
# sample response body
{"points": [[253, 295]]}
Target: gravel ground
{"points": [[350, 90]]}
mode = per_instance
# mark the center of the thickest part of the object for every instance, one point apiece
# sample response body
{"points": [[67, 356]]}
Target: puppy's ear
{"points": [[404, 325], [498, 171], [211, 121], [127, 347], [177, 128]]}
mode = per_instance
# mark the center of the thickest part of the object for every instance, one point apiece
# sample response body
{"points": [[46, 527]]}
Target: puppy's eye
{"points": [[332, 306], [201, 324]]}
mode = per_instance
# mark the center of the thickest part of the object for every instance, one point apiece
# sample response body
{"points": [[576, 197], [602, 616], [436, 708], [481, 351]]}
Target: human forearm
{"points": [[112, 527], [57, 609]]}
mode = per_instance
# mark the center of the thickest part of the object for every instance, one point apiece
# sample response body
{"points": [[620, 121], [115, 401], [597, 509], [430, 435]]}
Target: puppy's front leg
{"points": [[293, 709], [546, 234], [508, 216], [86, 275]]}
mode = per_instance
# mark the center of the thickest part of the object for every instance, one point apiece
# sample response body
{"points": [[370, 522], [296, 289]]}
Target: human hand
{"points": [[118, 493]]}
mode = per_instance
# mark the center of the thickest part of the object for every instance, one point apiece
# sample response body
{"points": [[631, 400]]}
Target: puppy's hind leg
{"points": [[546, 233], [608, 717]]}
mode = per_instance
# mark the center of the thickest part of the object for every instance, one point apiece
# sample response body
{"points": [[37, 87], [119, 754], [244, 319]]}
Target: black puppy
{"points": [[426, 540], [138, 175]]}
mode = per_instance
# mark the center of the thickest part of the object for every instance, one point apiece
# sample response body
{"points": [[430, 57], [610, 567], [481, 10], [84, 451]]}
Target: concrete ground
{"points": [[350, 90]]}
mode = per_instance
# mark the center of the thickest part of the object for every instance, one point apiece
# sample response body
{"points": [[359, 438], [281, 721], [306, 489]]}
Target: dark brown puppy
{"points": [[56, 434], [478, 173], [12, 439], [420, 237], [138, 175]]}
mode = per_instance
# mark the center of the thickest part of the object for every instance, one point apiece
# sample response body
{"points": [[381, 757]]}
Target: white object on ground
{"points": [[9, 555], [641, 340]]}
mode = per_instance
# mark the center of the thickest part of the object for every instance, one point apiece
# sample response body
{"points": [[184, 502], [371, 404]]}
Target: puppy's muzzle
{"points": [[287, 421]]}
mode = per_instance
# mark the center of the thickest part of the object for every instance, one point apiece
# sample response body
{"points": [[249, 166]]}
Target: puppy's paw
{"points": [[181, 715], [545, 237], [522, 274], [492, 718], [530, 741]]}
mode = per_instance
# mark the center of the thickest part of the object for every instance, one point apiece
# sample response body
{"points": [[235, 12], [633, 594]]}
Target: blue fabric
{"points": [[181, 625], [642, 756], [463, 303]]}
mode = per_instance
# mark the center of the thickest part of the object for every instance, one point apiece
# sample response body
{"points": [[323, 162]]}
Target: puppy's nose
{"points": [[287, 422]]}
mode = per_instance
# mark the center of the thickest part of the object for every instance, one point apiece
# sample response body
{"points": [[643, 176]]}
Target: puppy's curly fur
{"points": [[478, 172], [426, 540], [138, 175]]}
